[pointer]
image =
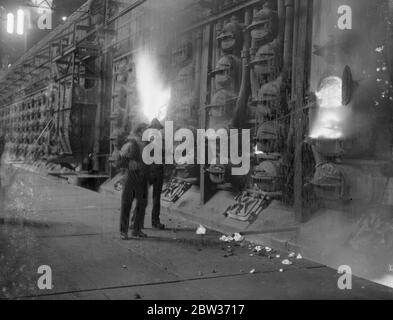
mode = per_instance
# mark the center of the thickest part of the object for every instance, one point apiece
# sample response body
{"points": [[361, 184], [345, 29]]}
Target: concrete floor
{"points": [[74, 231]]}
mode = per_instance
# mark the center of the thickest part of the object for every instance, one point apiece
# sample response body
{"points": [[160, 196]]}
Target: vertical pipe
{"points": [[97, 125], [299, 78], [205, 84], [198, 64], [288, 37], [298, 166], [240, 116], [281, 20], [389, 58], [295, 43], [216, 53]]}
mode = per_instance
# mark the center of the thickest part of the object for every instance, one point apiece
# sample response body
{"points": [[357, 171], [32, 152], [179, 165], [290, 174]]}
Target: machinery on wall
{"points": [[182, 110], [349, 129], [337, 135], [263, 90], [226, 77], [228, 66], [52, 117], [226, 61], [266, 103]]}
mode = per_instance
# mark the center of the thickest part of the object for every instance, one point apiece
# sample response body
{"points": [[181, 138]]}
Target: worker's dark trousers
{"points": [[135, 186], [157, 180]]}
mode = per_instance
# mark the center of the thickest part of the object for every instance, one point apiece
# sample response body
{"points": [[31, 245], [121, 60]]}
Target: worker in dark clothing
{"points": [[156, 179], [135, 183]]}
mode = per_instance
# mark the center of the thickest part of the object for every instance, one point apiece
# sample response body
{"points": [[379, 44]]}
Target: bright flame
{"points": [[154, 97], [331, 114]]}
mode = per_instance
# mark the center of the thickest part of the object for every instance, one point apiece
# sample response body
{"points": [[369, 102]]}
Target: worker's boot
{"points": [[123, 235], [158, 226], [138, 234]]}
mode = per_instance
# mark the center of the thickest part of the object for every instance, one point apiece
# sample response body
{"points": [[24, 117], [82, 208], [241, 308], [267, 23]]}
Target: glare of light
{"points": [[386, 280], [20, 25], [330, 119], [153, 95], [330, 94], [64, 18], [256, 151], [326, 133], [10, 23]]}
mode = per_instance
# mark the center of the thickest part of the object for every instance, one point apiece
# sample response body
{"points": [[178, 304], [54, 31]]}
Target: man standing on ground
{"points": [[156, 179], [135, 183]]}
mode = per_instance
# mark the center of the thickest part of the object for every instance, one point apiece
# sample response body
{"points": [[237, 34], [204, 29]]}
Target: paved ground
{"points": [[74, 231]]}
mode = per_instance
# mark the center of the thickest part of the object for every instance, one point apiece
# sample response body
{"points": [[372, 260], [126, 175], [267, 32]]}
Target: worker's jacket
{"points": [[157, 170], [130, 157]]}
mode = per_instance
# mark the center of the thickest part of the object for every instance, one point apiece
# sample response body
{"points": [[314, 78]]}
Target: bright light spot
{"points": [[331, 116], [386, 280], [153, 94], [64, 18], [20, 22], [330, 94], [10, 23], [256, 151]]}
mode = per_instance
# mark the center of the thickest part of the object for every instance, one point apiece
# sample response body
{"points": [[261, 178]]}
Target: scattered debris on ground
{"points": [[286, 262], [226, 238], [238, 237], [201, 230]]}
